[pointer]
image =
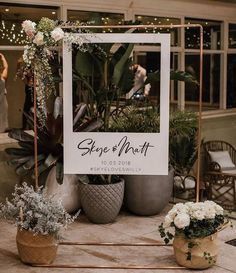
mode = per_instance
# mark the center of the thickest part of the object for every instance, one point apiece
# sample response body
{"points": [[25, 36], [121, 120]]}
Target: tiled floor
{"points": [[127, 228]]}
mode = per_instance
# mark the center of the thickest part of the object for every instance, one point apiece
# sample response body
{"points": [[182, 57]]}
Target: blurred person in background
{"points": [[3, 92]]}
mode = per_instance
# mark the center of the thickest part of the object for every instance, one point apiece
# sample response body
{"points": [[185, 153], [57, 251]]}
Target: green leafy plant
{"points": [[103, 74], [136, 119], [183, 141], [50, 147], [101, 179]]}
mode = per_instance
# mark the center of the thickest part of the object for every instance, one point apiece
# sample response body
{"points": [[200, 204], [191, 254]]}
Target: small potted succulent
{"points": [[38, 220], [194, 227]]}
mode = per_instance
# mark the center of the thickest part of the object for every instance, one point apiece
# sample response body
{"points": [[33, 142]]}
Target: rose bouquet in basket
{"points": [[194, 227]]}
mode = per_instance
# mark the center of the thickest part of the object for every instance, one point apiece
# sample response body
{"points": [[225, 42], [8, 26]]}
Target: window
{"points": [[232, 35], [231, 81], [211, 79], [96, 18], [152, 20], [211, 34]]}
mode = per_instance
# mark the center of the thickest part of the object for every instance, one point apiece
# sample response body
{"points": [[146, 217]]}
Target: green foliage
{"points": [[50, 149], [174, 75], [166, 235], [134, 119], [103, 179], [101, 75], [209, 258], [183, 141], [201, 228]]}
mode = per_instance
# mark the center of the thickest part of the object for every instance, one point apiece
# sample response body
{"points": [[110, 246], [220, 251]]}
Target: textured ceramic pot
{"points": [[102, 203], [208, 244], [148, 194], [36, 249]]}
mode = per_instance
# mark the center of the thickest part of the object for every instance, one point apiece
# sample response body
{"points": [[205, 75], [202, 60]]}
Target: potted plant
{"points": [[142, 192], [195, 227], [50, 156], [102, 197], [38, 220]]}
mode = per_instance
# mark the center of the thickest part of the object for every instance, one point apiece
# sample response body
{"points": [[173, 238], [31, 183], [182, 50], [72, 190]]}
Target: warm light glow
{"points": [[53, 12], [7, 10]]}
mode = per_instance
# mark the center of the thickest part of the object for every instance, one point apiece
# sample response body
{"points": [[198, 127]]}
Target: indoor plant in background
{"points": [[101, 197], [142, 192], [38, 220], [194, 227]]}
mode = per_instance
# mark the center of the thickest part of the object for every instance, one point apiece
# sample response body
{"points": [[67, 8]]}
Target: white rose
{"points": [[219, 210], [38, 39], [210, 213], [57, 34], [182, 220], [167, 222], [180, 208], [172, 213], [198, 215], [29, 27]]}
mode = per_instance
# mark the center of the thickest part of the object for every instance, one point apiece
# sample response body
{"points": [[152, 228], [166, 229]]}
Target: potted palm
{"points": [[38, 220], [103, 74]]}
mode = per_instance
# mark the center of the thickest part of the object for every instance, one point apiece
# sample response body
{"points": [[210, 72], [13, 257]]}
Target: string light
{"points": [[12, 35]]}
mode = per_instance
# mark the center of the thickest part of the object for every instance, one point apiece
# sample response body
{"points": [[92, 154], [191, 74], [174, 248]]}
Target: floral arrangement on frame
{"points": [[43, 38]]}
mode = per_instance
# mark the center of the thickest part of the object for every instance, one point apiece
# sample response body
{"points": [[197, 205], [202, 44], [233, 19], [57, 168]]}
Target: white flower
{"points": [[182, 220], [38, 39], [219, 210], [29, 27], [167, 222], [210, 213], [57, 34], [198, 215]]}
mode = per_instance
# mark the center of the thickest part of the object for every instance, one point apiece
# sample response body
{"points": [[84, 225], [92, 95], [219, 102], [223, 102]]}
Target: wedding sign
{"points": [[117, 153]]}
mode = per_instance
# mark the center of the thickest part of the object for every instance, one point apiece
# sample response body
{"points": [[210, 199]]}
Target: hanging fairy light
{"points": [[12, 34]]}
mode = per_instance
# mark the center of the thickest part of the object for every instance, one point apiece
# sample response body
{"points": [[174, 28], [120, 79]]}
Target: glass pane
{"points": [[152, 20], [151, 62], [211, 79], [96, 18], [211, 34], [12, 18], [231, 81], [232, 35]]}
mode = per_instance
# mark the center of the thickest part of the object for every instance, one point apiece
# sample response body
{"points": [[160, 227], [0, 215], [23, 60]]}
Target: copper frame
{"points": [[198, 148], [147, 267]]}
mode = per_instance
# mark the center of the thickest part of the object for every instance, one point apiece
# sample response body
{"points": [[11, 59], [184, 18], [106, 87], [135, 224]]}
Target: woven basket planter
{"points": [[36, 249], [208, 244], [102, 203]]}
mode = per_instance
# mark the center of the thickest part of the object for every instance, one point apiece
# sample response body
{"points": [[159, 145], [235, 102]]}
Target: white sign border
{"points": [[154, 165]]}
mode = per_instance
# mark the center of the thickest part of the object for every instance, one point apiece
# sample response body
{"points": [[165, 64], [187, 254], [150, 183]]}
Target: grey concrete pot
{"points": [[148, 194], [102, 203]]}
